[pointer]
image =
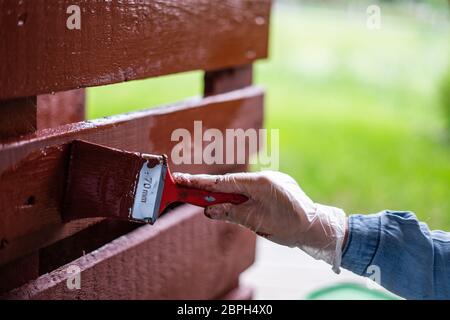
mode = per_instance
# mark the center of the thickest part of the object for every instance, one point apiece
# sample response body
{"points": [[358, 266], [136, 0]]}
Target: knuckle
{"points": [[264, 179], [219, 179]]}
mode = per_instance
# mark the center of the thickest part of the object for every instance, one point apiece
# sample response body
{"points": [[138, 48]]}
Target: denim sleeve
{"points": [[412, 261]]}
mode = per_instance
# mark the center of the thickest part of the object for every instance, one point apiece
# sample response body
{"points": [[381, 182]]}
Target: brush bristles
{"points": [[102, 181]]}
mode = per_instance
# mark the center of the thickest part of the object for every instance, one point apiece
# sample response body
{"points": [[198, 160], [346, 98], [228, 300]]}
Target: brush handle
{"points": [[203, 198]]}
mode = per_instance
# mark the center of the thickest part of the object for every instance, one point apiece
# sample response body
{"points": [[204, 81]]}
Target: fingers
{"points": [[229, 183], [229, 212], [243, 214], [224, 211], [201, 181]]}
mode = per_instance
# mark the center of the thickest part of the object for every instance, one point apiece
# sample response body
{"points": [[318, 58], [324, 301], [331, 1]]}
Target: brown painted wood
{"points": [[19, 272], [121, 41], [22, 116], [60, 108], [228, 79], [81, 243], [93, 237], [101, 181], [33, 171], [185, 256], [17, 117]]}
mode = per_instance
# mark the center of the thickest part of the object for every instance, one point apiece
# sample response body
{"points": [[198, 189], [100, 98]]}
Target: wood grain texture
{"points": [[60, 108], [228, 79], [81, 243], [30, 208], [185, 256], [101, 181], [87, 238], [17, 118], [123, 40]]}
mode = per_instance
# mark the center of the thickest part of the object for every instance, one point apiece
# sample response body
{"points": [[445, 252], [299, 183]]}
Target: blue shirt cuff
{"points": [[362, 243]]}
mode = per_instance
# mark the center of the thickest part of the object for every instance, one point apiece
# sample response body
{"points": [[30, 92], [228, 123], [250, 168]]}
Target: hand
{"points": [[278, 210]]}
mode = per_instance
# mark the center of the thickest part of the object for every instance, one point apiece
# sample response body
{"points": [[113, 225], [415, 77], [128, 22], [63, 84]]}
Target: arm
{"points": [[412, 261]]}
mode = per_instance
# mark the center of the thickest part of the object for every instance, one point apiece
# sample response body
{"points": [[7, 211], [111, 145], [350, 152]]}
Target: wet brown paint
{"points": [[228, 79], [122, 41], [17, 118], [153, 161], [101, 182], [37, 166], [129, 41], [183, 256], [60, 108], [24, 181]]}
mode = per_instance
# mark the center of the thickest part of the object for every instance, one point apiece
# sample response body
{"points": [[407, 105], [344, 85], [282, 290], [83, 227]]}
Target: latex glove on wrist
{"points": [[278, 210]]}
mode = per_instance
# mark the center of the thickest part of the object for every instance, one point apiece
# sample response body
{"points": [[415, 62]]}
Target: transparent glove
{"points": [[278, 210]]}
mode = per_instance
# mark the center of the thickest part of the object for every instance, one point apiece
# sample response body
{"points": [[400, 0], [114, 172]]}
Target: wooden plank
{"points": [[29, 205], [184, 256], [81, 243], [228, 79], [60, 108], [19, 272], [123, 40], [49, 258], [87, 240], [17, 117]]}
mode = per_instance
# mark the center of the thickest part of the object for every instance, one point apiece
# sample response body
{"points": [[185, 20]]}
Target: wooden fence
{"points": [[45, 64]]}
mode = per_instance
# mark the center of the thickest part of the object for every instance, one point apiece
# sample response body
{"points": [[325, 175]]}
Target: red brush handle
{"points": [[203, 198]]}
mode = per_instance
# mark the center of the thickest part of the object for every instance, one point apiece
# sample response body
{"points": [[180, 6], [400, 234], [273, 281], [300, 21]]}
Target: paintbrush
{"points": [[112, 183]]}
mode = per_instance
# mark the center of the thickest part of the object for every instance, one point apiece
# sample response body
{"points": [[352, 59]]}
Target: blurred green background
{"points": [[359, 111]]}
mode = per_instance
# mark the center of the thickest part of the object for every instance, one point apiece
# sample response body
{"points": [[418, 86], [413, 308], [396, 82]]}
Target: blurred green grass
{"points": [[358, 114]]}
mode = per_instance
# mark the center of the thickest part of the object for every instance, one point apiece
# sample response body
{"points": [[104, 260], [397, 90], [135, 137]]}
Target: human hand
{"points": [[278, 210]]}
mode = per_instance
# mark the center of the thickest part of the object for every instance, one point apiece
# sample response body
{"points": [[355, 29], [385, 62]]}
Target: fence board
{"points": [[60, 108], [123, 40], [17, 118], [183, 256], [33, 171], [228, 79]]}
